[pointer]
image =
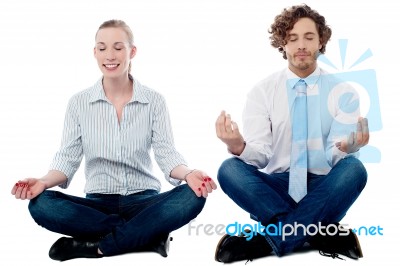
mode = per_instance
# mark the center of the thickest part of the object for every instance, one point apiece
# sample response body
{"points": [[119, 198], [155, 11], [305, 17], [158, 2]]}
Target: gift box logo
{"points": [[364, 80]]}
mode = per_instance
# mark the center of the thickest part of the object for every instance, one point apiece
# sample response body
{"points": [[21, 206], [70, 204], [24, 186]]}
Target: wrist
{"points": [[237, 149], [187, 174]]}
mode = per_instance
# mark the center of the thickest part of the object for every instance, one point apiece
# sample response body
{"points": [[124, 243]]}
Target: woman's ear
{"points": [[133, 52]]}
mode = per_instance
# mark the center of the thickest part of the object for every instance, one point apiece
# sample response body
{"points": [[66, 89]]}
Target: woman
{"points": [[115, 124]]}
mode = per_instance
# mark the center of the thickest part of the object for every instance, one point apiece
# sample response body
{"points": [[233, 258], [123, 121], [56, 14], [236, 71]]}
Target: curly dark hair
{"points": [[286, 20]]}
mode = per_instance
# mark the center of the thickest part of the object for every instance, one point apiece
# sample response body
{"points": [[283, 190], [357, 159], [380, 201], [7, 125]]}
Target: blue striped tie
{"points": [[298, 156]]}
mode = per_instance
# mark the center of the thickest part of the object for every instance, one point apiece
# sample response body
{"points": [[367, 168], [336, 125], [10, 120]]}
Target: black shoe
{"points": [[236, 248], [67, 248], [160, 245], [344, 242]]}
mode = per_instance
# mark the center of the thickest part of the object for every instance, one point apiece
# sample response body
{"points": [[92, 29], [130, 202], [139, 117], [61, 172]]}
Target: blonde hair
{"points": [[116, 23]]}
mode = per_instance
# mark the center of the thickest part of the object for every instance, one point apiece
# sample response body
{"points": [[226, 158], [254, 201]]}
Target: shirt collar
{"points": [[312, 79], [139, 95]]}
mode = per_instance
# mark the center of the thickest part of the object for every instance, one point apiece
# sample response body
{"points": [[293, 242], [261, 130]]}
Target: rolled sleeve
{"points": [[256, 129], [68, 158], [347, 111], [166, 156]]}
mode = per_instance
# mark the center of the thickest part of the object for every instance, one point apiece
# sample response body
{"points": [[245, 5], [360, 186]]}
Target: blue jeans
{"points": [[122, 223], [265, 197]]}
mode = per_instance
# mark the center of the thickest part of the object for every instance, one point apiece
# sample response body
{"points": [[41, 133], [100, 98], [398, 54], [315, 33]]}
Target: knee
{"points": [[360, 174], [34, 205], [196, 204], [228, 171], [356, 173], [38, 207], [190, 205]]}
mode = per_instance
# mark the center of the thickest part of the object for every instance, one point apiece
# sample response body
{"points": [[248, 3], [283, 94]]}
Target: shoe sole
{"points": [[164, 253], [167, 243], [226, 236], [360, 255]]}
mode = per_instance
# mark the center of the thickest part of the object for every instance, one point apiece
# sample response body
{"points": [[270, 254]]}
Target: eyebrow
{"points": [[307, 33], [102, 43]]}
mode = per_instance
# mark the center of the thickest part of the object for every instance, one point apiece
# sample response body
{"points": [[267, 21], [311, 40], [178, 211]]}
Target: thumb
{"points": [[235, 127], [342, 145]]}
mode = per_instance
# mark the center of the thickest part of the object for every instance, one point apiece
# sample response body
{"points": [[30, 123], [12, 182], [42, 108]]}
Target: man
{"points": [[295, 167]]}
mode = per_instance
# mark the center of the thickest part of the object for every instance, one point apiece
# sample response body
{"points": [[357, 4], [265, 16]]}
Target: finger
{"points": [[193, 183], [359, 134], [364, 125], [24, 193], [14, 188], [211, 182], [207, 185], [204, 181], [221, 129], [220, 124], [18, 192], [228, 123], [25, 190], [365, 131], [342, 145], [204, 192], [29, 195], [197, 191], [350, 139], [235, 128]]}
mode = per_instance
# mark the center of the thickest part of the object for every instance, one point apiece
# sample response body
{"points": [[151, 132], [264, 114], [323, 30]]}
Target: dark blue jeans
{"points": [[265, 197], [122, 223]]}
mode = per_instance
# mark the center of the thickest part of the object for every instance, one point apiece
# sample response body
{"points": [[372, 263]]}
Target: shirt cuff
{"points": [[338, 155], [67, 172]]}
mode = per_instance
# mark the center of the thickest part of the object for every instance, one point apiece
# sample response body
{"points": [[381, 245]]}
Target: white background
{"points": [[203, 56]]}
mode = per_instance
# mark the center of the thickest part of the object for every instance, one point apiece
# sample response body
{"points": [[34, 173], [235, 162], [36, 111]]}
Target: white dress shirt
{"points": [[333, 111]]}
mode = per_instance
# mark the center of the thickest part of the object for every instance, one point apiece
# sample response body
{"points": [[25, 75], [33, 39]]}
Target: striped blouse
{"points": [[117, 154]]}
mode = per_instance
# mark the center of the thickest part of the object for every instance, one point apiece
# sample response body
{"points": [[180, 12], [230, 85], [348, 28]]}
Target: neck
{"points": [[120, 87]]}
